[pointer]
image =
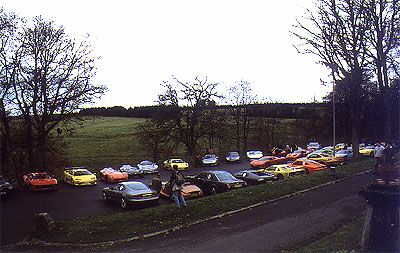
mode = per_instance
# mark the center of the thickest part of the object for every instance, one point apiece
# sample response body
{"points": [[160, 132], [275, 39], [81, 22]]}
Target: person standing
{"points": [[156, 183], [176, 182], [378, 154]]}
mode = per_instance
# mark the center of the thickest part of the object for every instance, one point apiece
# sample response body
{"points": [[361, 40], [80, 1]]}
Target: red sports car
{"points": [[308, 165], [267, 161], [297, 154], [39, 181], [111, 175]]}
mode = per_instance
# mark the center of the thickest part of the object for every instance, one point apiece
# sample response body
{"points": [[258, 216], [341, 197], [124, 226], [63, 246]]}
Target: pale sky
{"points": [[142, 43]]}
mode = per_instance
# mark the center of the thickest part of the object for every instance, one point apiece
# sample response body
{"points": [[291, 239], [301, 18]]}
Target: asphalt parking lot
{"points": [[71, 201]]}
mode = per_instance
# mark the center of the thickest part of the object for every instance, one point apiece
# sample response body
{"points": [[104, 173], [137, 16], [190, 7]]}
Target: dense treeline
{"points": [[270, 110]]}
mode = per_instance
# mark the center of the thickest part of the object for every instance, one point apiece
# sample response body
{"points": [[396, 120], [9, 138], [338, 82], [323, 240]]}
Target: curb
{"points": [[172, 229]]}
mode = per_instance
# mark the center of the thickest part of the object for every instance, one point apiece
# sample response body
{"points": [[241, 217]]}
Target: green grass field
{"points": [[101, 142]]}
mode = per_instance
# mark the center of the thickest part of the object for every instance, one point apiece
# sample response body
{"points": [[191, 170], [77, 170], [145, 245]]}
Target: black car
{"points": [[6, 188], [211, 182], [232, 157], [253, 177], [129, 193]]}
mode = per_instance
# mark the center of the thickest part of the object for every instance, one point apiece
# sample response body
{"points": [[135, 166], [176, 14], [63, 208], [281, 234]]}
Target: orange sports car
{"points": [[39, 181], [267, 161], [111, 175], [308, 165], [297, 154], [189, 190]]}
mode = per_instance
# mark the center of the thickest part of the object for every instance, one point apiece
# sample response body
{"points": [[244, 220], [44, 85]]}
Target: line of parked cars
{"points": [[261, 169]]}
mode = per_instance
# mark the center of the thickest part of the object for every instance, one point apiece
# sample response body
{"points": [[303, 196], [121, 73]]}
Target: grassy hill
{"points": [[103, 142]]}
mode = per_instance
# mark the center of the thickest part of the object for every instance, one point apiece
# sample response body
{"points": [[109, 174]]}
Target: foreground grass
{"points": [[137, 222], [345, 239]]}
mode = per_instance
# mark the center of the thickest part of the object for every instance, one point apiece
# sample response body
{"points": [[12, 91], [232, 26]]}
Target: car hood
{"points": [[85, 177], [209, 160], [47, 181], [190, 188]]}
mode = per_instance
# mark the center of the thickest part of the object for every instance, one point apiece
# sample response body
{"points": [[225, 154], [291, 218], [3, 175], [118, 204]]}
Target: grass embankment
{"points": [[138, 222], [345, 239], [104, 142]]}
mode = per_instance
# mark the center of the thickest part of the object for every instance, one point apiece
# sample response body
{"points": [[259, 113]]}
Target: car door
{"points": [[114, 192]]}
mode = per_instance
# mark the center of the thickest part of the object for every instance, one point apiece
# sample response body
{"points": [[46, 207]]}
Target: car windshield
{"points": [[40, 176], [370, 147], [209, 156], [233, 154], [342, 152], [136, 186], [177, 161], [146, 163], [82, 173], [313, 144], [265, 158], [224, 176]]}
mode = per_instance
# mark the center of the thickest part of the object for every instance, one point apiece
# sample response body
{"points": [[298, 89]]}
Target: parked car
{"points": [[329, 160], [340, 146], [112, 175], [211, 182], [313, 145], [169, 164], [308, 165], [131, 171], [132, 192], [324, 151], [252, 177], [79, 176], [347, 154], [254, 154], [367, 150], [232, 157], [148, 167], [189, 191], [282, 171], [210, 160], [39, 181], [296, 154], [267, 161], [6, 187]]}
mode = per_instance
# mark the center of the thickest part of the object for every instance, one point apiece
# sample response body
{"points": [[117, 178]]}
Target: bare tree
{"points": [[384, 42], [240, 95], [54, 79], [191, 100], [335, 32]]}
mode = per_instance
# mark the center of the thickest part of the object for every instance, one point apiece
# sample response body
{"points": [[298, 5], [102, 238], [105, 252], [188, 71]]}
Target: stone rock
{"points": [[43, 222]]}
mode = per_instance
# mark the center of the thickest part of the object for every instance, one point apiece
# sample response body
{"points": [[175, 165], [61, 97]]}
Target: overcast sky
{"points": [[142, 43]]}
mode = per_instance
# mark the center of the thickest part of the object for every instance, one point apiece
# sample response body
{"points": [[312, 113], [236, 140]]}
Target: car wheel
{"points": [[30, 187], [123, 203], [214, 190], [280, 177], [307, 171], [104, 196]]}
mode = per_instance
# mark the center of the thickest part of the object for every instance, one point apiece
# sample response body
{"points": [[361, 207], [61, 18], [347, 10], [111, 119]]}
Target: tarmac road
{"points": [[273, 227], [69, 202]]}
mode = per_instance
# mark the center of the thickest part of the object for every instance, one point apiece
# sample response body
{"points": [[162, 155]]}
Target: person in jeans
{"points": [[379, 155], [176, 181]]}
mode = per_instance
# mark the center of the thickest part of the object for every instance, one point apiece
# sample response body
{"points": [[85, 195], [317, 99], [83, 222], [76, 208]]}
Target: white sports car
{"points": [[148, 167], [254, 154]]}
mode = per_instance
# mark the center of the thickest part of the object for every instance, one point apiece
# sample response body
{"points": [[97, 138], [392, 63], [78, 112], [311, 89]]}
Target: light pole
{"points": [[333, 68]]}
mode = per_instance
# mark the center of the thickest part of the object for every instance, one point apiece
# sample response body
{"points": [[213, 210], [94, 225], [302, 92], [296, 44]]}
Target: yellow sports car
{"points": [[179, 163], [79, 176], [326, 159], [367, 150], [282, 171]]}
